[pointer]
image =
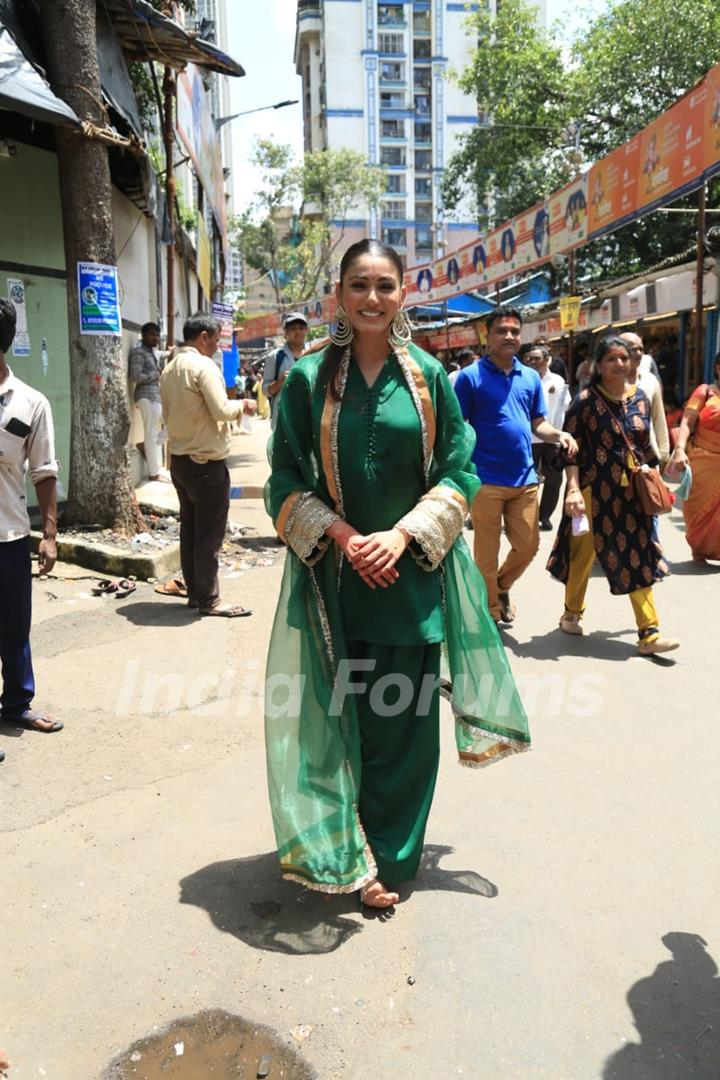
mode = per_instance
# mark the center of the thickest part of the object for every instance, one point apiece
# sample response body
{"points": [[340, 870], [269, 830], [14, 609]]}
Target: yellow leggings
{"points": [[582, 557]]}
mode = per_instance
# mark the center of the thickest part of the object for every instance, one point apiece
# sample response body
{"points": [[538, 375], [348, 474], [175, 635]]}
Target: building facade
{"points": [[375, 79]]}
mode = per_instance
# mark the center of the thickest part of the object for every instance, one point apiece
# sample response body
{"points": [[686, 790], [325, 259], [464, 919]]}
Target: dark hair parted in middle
{"points": [[330, 367], [602, 348]]}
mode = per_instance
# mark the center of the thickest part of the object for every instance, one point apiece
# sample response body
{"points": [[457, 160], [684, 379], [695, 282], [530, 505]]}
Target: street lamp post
{"points": [[220, 120]]}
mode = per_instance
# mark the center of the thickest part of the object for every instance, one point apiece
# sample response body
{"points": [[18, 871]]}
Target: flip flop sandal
{"points": [[227, 612], [29, 720], [2, 755], [104, 587], [173, 587], [124, 588]]}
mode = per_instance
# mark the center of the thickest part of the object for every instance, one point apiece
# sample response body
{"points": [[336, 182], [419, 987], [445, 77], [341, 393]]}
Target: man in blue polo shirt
{"points": [[504, 402]]}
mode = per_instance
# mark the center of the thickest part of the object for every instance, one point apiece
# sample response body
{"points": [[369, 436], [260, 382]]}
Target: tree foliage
{"points": [[326, 189], [620, 72]]}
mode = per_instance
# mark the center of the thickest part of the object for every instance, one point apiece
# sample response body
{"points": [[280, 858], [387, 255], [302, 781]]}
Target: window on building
{"points": [[423, 160], [390, 43], [392, 129], [421, 22], [422, 49], [392, 99], [422, 78], [423, 131], [423, 104], [394, 237], [391, 15], [423, 211], [393, 210], [423, 187], [423, 238], [392, 155], [392, 71], [395, 184]]}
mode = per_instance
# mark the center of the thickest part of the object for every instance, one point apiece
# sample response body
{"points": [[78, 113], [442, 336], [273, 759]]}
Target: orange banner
{"points": [[569, 216], [672, 150], [612, 187], [532, 233], [712, 121]]}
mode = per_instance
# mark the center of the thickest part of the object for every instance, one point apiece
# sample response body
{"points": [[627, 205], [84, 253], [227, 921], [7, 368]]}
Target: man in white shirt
{"points": [[26, 442], [652, 388], [278, 367], [465, 358], [557, 398]]}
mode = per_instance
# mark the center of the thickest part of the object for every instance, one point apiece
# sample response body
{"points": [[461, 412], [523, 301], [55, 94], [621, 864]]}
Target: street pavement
{"points": [[567, 922]]}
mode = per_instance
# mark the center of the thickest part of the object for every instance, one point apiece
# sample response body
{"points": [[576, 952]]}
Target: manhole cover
{"points": [[211, 1044]]}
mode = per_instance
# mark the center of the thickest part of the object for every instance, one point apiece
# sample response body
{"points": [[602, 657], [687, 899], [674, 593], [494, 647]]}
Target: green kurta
{"points": [[381, 471]]}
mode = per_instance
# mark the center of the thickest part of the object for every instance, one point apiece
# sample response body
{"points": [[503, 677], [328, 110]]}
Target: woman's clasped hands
{"points": [[373, 556]]}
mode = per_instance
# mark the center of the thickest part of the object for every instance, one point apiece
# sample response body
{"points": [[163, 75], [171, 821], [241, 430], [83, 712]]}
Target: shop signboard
{"points": [[196, 128], [224, 313]]}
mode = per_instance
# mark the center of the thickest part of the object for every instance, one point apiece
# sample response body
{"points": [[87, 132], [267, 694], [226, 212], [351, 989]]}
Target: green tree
{"points": [[625, 68], [324, 190], [517, 154]]}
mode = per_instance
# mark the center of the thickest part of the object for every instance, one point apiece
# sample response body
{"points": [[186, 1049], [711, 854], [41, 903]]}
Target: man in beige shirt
{"points": [[198, 415]]}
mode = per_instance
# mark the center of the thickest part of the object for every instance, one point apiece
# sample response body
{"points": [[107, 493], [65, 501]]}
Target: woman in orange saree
{"points": [[698, 444]]}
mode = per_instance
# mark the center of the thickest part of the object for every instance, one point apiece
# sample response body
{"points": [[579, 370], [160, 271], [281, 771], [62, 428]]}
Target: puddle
{"points": [[210, 1045]]}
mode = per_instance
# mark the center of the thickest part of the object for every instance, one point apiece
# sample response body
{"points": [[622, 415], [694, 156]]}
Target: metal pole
{"points": [[168, 139], [571, 335], [699, 357], [447, 327]]}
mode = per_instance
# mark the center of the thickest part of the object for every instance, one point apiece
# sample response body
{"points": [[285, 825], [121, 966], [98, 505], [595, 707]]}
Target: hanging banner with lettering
{"points": [[711, 138], [569, 216], [532, 234], [672, 152], [612, 188]]}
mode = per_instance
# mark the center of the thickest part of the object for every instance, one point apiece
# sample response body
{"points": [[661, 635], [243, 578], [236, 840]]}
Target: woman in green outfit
{"points": [[371, 481]]}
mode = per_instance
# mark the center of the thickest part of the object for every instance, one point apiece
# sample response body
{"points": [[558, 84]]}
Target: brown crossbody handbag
{"points": [[651, 491]]}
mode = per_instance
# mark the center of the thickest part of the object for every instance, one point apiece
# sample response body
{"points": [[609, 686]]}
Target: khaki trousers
{"points": [[517, 509]]}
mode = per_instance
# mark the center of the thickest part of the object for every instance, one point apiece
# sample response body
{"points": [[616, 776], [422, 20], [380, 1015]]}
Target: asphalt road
{"points": [[566, 924]]}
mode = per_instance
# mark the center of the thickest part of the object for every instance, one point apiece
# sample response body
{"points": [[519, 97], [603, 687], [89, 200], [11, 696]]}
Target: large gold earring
{"points": [[341, 332], [400, 331]]}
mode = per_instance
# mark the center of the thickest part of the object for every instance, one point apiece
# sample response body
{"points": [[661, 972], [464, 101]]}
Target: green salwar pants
{"points": [[400, 751]]}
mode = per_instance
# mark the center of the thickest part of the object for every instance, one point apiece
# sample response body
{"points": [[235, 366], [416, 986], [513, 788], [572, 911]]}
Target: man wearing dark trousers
{"points": [[198, 416], [26, 442]]}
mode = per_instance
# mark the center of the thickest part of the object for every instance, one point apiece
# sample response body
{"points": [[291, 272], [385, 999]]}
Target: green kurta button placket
{"points": [[380, 455]]}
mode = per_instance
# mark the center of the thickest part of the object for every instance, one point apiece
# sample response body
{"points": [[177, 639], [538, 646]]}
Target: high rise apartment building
{"points": [[375, 80]]}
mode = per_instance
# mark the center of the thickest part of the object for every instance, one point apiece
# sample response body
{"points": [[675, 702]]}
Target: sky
{"points": [[263, 42]]}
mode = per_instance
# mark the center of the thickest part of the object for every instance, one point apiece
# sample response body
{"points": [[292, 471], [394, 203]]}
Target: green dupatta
{"points": [[313, 748]]}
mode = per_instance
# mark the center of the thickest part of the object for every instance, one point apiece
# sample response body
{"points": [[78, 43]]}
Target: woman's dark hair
{"points": [[603, 347], [330, 366]]}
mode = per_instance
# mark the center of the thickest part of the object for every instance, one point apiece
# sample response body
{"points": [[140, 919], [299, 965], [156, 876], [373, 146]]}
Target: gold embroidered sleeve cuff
{"points": [[434, 525], [303, 527]]}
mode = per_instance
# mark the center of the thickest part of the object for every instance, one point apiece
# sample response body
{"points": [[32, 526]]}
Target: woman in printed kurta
{"points": [[599, 485], [371, 480], [698, 443]]}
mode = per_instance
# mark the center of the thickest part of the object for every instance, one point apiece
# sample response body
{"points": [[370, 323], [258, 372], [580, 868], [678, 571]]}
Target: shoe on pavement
{"points": [[508, 611], [657, 645], [545, 526], [570, 623]]}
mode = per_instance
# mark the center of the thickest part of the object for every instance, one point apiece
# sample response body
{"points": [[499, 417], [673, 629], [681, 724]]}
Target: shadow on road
{"points": [[693, 569], [248, 899], [677, 1015], [160, 612], [554, 645]]}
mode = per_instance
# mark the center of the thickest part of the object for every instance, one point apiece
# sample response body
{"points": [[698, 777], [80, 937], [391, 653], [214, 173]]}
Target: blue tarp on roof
{"points": [[456, 305]]}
